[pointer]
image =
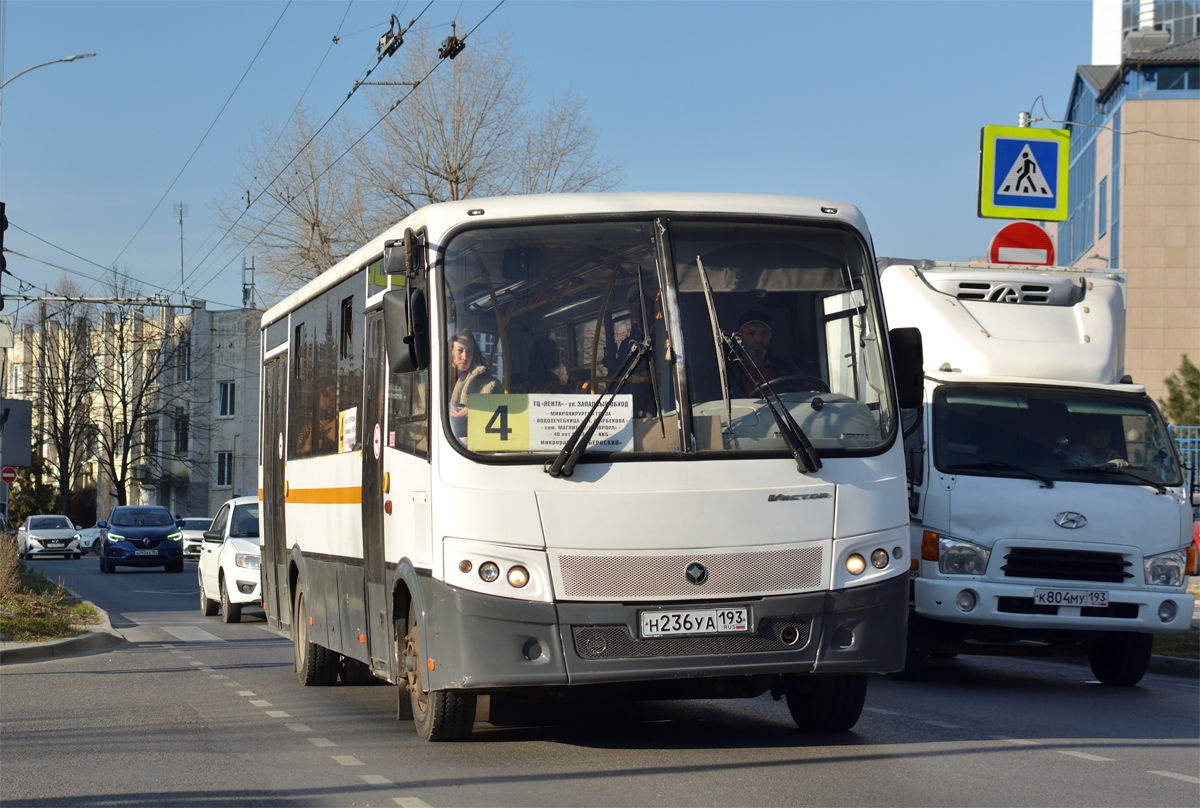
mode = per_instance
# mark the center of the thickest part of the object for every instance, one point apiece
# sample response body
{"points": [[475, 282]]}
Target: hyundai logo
{"points": [[1070, 520], [697, 573]]}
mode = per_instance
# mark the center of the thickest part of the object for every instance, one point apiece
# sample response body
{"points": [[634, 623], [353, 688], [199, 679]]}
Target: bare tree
{"points": [[64, 377], [308, 219], [468, 130]]}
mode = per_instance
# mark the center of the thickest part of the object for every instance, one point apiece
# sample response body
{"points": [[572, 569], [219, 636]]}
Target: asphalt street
{"points": [[193, 711]]}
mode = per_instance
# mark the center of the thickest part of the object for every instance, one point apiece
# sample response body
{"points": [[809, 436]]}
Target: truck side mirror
{"points": [[406, 330], [908, 360]]}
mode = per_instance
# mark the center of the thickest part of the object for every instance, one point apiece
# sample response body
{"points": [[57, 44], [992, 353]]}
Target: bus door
{"points": [[275, 560], [378, 625]]}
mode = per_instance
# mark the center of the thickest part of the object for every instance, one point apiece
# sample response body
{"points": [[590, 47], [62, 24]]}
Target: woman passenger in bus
{"points": [[471, 377]]}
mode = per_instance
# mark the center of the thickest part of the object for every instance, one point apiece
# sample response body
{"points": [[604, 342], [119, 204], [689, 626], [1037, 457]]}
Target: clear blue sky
{"points": [[874, 103]]}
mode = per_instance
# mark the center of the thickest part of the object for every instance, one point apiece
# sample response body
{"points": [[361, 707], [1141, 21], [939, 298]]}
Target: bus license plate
{"points": [[145, 552], [698, 621], [1070, 597]]}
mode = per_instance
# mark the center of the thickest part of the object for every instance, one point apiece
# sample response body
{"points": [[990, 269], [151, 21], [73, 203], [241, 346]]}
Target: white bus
{"points": [[592, 445]]}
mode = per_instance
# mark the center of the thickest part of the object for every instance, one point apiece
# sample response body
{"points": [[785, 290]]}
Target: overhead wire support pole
{"points": [[153, 300]]}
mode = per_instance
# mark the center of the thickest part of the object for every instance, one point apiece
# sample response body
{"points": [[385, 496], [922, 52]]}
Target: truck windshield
{"points": [[539, 319], [1051, 434]]}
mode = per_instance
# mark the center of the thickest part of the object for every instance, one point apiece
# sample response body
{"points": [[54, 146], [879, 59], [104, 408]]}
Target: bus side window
{"points": [[408, 412]]}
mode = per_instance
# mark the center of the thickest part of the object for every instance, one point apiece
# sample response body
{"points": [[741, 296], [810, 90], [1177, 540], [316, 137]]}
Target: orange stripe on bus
{"points": [[325, 496]]}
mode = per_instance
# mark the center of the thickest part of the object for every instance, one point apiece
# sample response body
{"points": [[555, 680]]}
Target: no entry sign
{"points": [[8, 474], [1022, 243]]}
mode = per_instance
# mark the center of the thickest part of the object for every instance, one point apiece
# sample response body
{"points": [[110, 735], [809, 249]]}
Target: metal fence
{"points": [[1187, 438]]}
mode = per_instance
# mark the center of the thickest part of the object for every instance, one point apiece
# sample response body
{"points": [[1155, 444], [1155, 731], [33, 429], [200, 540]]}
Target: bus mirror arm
{"points": [[908, 360], [407, 336]]}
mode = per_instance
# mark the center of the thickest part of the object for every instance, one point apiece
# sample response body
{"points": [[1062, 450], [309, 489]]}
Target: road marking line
{"points": [[298, 727], [178, 652], [1083, 755], [1017, 741], [261, 703], [941, 724], [207, 670], [321, 742], [191, 634], [195, 662], [880, 712], [185, 656], [376, 780], [218, 676], [247, 693], [232, 684], [410, 802], [348, 760], [1187, 778], [278, 714]]}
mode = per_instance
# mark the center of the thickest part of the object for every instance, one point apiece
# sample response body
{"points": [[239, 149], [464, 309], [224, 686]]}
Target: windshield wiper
{"points": [[1000, 464], [718, 344], [564, 463], [647, 330], [1106, 469]]}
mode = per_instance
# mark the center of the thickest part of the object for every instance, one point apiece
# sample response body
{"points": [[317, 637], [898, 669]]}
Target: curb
{"points": [[95, 639], [1161, 665]]}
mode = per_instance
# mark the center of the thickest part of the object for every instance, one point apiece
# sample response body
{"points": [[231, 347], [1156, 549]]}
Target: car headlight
{"points": [[176, 536], [34, 538], [1166, 569], [115, 536], [957, 557], [247, 560]]}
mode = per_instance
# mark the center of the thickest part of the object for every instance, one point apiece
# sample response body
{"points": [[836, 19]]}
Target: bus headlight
{"points": [[1165, 569], [489, 571], [518, 576], [957, 557], [855, 564]]}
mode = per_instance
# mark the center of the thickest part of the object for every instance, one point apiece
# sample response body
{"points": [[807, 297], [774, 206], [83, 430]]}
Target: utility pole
{"points": [[181, 210]]}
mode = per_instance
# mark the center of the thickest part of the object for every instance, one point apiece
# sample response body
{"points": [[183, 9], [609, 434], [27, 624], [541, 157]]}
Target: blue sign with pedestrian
{"points": [[1023, 173]]}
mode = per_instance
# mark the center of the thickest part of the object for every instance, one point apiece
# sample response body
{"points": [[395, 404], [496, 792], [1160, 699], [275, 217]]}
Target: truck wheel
{"points": [[315, 665], [1121, 658], [208, 606], [916, 652], [827, 703], [439, 715]]}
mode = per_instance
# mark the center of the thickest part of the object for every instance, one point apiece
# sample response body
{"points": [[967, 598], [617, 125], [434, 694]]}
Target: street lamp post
{"points": [[43, 64]]}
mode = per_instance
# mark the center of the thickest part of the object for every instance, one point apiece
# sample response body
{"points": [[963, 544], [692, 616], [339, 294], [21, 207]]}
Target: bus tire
{"points": [[827, 703], [1121, 658], [439, 715], [231, 612], [315, 665]]}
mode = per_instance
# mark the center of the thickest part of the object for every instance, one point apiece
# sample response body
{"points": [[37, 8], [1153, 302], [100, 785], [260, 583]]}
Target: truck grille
{"points": [[631, 577], [1066, 565], [615, 642]]}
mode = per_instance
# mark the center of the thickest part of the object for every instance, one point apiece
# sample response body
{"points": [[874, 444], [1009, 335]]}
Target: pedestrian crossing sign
{"points": [[1023, 173]]}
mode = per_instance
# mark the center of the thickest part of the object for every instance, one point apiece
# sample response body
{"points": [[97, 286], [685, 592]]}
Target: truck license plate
{"points": [[1070, 597], [145, 552], [697, 621]]}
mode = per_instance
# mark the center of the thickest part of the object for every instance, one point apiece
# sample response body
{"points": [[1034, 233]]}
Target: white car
{"points": [[47, 535], [193, 535], [87, 539], [229, 561]]}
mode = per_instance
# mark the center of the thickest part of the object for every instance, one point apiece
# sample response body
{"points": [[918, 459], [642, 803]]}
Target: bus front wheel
{"points": [[827, 703], [439, 715], [315, 665]]}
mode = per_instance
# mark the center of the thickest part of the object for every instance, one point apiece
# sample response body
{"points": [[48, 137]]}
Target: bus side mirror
{"points": [[406, 330], [404, 256], [908, 360], [393, 257]]}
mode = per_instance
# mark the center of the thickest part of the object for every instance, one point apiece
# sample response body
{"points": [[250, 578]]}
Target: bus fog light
{"points": [[855, 564], [966, 600], [518, 577], [897, 552], [879, 559], [488, 571], [465, 565], [1166, 611]]}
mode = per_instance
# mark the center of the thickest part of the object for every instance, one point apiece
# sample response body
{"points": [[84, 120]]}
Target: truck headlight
{"points": [[247, 560], [1166, 569], [956, 557]]}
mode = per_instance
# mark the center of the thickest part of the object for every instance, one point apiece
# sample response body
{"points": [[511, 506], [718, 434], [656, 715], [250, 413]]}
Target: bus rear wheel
{"points": [[315, 665], [439, 715], [827, 703]]}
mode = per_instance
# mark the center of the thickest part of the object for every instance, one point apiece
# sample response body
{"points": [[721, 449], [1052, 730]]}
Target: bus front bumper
{"points": [[481, 642]]}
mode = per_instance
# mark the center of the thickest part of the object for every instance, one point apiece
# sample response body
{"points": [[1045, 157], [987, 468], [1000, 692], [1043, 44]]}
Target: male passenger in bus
{"points": [[1095, 451], [471, 377], [754, 328], [638, 384]]}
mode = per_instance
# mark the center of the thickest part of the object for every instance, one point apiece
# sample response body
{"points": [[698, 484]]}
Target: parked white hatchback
{"points": [[229, 561]]}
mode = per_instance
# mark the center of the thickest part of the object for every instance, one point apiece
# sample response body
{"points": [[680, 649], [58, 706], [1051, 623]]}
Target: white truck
{"points": [[1049, 511]]}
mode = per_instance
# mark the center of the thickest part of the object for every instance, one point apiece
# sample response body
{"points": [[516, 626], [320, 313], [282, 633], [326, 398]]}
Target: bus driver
{"points": [[471, 378]]}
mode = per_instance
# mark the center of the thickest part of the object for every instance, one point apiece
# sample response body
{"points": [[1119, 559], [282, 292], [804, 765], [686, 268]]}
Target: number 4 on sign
{"points": [[503, 430]]}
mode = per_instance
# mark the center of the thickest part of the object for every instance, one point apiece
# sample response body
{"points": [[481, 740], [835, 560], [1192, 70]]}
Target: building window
{"points": [[152, 438], [1102, 200], [225, 400], [224, 469], [181, 431], [185, 358]]}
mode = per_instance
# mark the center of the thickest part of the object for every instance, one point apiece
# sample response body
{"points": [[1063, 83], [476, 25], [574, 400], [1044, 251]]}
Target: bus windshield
{"points": [[542, 318], [1051, 434]]}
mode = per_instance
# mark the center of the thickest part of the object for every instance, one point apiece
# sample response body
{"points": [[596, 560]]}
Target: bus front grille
{"points": [[615, 642], [635, 577]]}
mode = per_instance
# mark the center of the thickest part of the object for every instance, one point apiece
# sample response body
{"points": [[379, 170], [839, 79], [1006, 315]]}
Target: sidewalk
{"points": [[94, 639]]}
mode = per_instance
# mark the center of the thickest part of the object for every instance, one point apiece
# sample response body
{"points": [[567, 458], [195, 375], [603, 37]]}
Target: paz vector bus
{"points": [[592, 445]]}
